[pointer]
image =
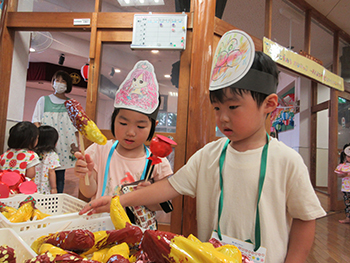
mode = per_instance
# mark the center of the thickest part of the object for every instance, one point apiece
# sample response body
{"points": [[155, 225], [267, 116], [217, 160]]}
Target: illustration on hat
{"points": [[232, 60], [140, 90], [347, 151]]}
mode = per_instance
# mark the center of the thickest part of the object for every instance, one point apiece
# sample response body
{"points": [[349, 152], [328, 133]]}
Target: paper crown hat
{"points": [[232, 63], [139, 91], [347, 151]]}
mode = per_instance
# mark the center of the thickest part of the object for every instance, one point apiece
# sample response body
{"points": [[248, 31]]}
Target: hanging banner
{"points": [[302, 65]]}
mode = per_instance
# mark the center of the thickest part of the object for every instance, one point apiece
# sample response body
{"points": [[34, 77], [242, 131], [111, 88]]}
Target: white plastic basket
{"points": [[10, 238], [61, 207], [96, 222]]}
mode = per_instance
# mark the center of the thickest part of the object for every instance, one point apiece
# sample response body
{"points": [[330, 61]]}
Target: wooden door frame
{"points": [[102, 29], [104, 36]]}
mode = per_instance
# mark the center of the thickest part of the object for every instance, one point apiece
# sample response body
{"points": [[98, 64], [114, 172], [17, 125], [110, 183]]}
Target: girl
{"points": [[50, 110], [343, 170], [133, 123], [45, 177], [20, 156]]}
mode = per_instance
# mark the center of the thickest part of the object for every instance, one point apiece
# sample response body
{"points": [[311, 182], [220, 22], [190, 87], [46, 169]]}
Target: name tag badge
{"points": [[247, 249]]}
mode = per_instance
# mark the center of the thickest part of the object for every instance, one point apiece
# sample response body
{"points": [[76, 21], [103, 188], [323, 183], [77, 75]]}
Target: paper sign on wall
{"points": [[159, 31]]}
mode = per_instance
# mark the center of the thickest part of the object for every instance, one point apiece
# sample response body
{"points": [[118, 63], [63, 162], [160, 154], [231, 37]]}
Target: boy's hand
{"points": [[143, 184], [99, 205], [53, 191], [83, 165]]}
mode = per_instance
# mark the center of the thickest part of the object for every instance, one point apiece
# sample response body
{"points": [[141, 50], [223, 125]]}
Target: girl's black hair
{"points": [[262, 62], [114, 115], [23, 136], [48, 137], [64, 76], [342, 154]]}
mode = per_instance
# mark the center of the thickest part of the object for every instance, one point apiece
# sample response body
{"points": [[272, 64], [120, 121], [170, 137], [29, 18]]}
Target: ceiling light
{"points": [[140, 2], [155, 51], [167, 76], [117, 70], [32, 49]]}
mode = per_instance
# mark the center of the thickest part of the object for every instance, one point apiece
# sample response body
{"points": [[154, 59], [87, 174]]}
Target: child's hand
{"points": [[53, 191], [143, 184], [98, 205], [83, 165]]}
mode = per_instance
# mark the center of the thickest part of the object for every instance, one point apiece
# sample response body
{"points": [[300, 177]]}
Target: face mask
{"points": [[59, 87]]}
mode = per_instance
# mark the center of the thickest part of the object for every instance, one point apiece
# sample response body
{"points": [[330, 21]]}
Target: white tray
{"points": [[61, 207], [10, 238]]}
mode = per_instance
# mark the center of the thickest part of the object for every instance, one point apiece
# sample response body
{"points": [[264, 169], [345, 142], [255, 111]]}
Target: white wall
{"points": [[323, 94], [304, 119], [19, 74], [299, 137], [290, 137]]}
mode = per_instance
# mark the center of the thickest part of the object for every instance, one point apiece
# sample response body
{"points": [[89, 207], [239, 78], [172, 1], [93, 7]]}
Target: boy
{"points": [[224, 175]]}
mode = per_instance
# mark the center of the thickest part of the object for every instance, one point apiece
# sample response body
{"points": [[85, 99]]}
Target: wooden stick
{"points": [[82, 150], [148, 176]]}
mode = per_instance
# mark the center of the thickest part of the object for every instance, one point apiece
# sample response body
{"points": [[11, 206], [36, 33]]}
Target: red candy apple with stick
{"points": [[161, 146]]}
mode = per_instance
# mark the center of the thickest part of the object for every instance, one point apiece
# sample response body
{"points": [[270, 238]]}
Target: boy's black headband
{"points": [[258, 81]]}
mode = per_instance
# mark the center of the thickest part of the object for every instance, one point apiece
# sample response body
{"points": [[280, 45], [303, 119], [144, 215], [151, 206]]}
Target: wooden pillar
{"points": [[6, 51], [268, 18], [91, 100], [333, 133], [199, 105], [313, 134], [307, 32], [313, 115]]}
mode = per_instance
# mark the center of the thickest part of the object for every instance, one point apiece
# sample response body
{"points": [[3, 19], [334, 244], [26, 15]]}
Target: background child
{"points": [[20, 156], [50, 110], [45, 177], [343, 170], [248, 175], [133, 123]]}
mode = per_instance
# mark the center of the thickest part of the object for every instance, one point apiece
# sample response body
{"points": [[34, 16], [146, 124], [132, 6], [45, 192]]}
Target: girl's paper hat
{"points": [[139, 91], [232, 63], [347, 151]]}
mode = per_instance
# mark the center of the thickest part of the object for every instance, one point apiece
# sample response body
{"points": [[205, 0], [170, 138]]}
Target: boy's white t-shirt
{"points": [[287, 193], [122, 170]]}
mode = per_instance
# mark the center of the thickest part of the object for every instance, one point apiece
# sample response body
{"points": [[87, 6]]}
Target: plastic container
{"points": [[61, 207], [96, 222], [10, 238]]}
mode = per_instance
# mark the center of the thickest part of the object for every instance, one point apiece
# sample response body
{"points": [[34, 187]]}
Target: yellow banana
{"points": [[118, 215]]}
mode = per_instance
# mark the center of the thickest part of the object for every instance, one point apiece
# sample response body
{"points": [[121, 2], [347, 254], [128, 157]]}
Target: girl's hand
{"points": [[53, 191], [143, 184], [83, 165], [98, 205]]}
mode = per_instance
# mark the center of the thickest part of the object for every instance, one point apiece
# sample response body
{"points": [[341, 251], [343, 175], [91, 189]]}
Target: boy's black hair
{"points": [[153, 127], [48, 137], [64, 76], [23, 135], [342, 154], [262, 62]]}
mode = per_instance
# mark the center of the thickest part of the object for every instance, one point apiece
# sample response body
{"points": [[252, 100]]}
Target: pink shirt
{"points": [[122, 170]]}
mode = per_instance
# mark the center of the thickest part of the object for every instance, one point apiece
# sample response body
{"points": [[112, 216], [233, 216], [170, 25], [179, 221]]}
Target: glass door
{"points": [[114, 60]]}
